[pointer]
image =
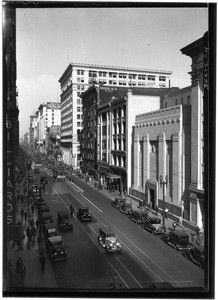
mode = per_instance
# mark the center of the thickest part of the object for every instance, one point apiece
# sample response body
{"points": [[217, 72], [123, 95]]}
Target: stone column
{"points": [[161, 157], [176, 168], [136, 161], [146, 159]]}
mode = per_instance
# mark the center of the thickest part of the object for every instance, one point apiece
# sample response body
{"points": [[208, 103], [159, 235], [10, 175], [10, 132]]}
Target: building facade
{"points": [[109, 115], [33, 131], [77, 78], [195, 51], [161, 149], [89, 133]]}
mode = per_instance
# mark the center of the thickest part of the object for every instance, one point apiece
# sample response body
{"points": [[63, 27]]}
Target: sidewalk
{"points": [[152, 213], [34, 277]]}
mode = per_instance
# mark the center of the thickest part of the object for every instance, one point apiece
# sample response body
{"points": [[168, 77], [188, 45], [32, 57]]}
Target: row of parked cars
{"points": [[178, 239]]}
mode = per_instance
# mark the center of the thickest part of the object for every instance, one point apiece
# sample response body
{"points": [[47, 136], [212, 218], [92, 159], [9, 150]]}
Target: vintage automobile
{"points": [[63, 220], [43, 180], [154, 225], [39, 202], [31, 179], [138, 216], [107, 239], [49, 230], [126, 208], [44, 208], [36, 171], [178, 239], [117, 202], [55, 248], [46, 218], [196, 255], [83, 214]]}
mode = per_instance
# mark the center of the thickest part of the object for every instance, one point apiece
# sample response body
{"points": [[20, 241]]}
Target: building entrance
{"points": [[152, 199]]}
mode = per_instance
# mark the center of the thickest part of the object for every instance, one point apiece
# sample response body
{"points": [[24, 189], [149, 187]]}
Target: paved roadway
{"points": [[144, 259]]}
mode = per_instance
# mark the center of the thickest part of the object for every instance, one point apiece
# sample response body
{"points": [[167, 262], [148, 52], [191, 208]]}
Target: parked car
{"points": [[49, 230], [83, 214], [117, 202], [126, 208], [178, 239], [31, 179], [46, 218], [55, 248], [63, 220], [36, 171], [39, 202], [43, 180], [196, 255], [44, 208], [107, 239], [153, 224], [138, 216]]}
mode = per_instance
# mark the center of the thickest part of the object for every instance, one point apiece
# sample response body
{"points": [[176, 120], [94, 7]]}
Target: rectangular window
{"points": [[80, 72], [112, 75], [122, 75], [102, 74], [132, 76], [92, 74], [162, 78], [151, 77], [141, 77]]}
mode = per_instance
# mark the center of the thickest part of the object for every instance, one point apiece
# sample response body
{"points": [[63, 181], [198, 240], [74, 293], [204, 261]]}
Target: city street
{"points": [[144, 259]]}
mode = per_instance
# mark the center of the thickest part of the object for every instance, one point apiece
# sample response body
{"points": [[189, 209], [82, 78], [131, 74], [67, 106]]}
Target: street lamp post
{"points": [[163, 182]]}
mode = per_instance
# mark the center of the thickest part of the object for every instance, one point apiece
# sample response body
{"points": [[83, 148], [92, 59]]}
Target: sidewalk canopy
{"points": [[113, 176]]}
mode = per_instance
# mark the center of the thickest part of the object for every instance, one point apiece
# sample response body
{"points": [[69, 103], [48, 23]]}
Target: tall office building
{"points": [[77, 78], [49, 114]]}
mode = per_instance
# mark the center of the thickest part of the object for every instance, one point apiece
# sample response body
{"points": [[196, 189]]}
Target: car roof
{"points": [[46, 215], [153, 218], [107, 230], [179, 233], [55, 239], [50, 226], [83, 208], [63, 213]]}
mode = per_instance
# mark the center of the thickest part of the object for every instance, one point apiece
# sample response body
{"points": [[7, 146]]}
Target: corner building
{"points": [[77, 78]]}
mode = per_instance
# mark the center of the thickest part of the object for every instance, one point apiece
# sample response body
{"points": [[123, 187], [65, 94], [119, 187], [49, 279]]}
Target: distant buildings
{"points": [[77, 78], [48, 114]]}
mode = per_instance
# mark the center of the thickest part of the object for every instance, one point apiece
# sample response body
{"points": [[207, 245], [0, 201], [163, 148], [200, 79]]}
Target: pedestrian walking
{"points": [[174, 225], [37, 224], [29, 235], [22, 213], [33, 209], [10, 273], [25, 216], [31, 223], [41, 250], [71, 210], [33, 232], [42, 260], [156, 210]]}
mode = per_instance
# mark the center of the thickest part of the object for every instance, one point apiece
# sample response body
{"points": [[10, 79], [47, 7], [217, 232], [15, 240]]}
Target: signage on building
{"points": [[206, 74]]}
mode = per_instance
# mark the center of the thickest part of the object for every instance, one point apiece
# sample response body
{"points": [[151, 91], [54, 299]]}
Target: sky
{"points": [[48, 39]]}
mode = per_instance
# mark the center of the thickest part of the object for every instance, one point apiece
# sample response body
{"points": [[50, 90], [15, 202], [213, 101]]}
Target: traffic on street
{"points": [[101, 248]]}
